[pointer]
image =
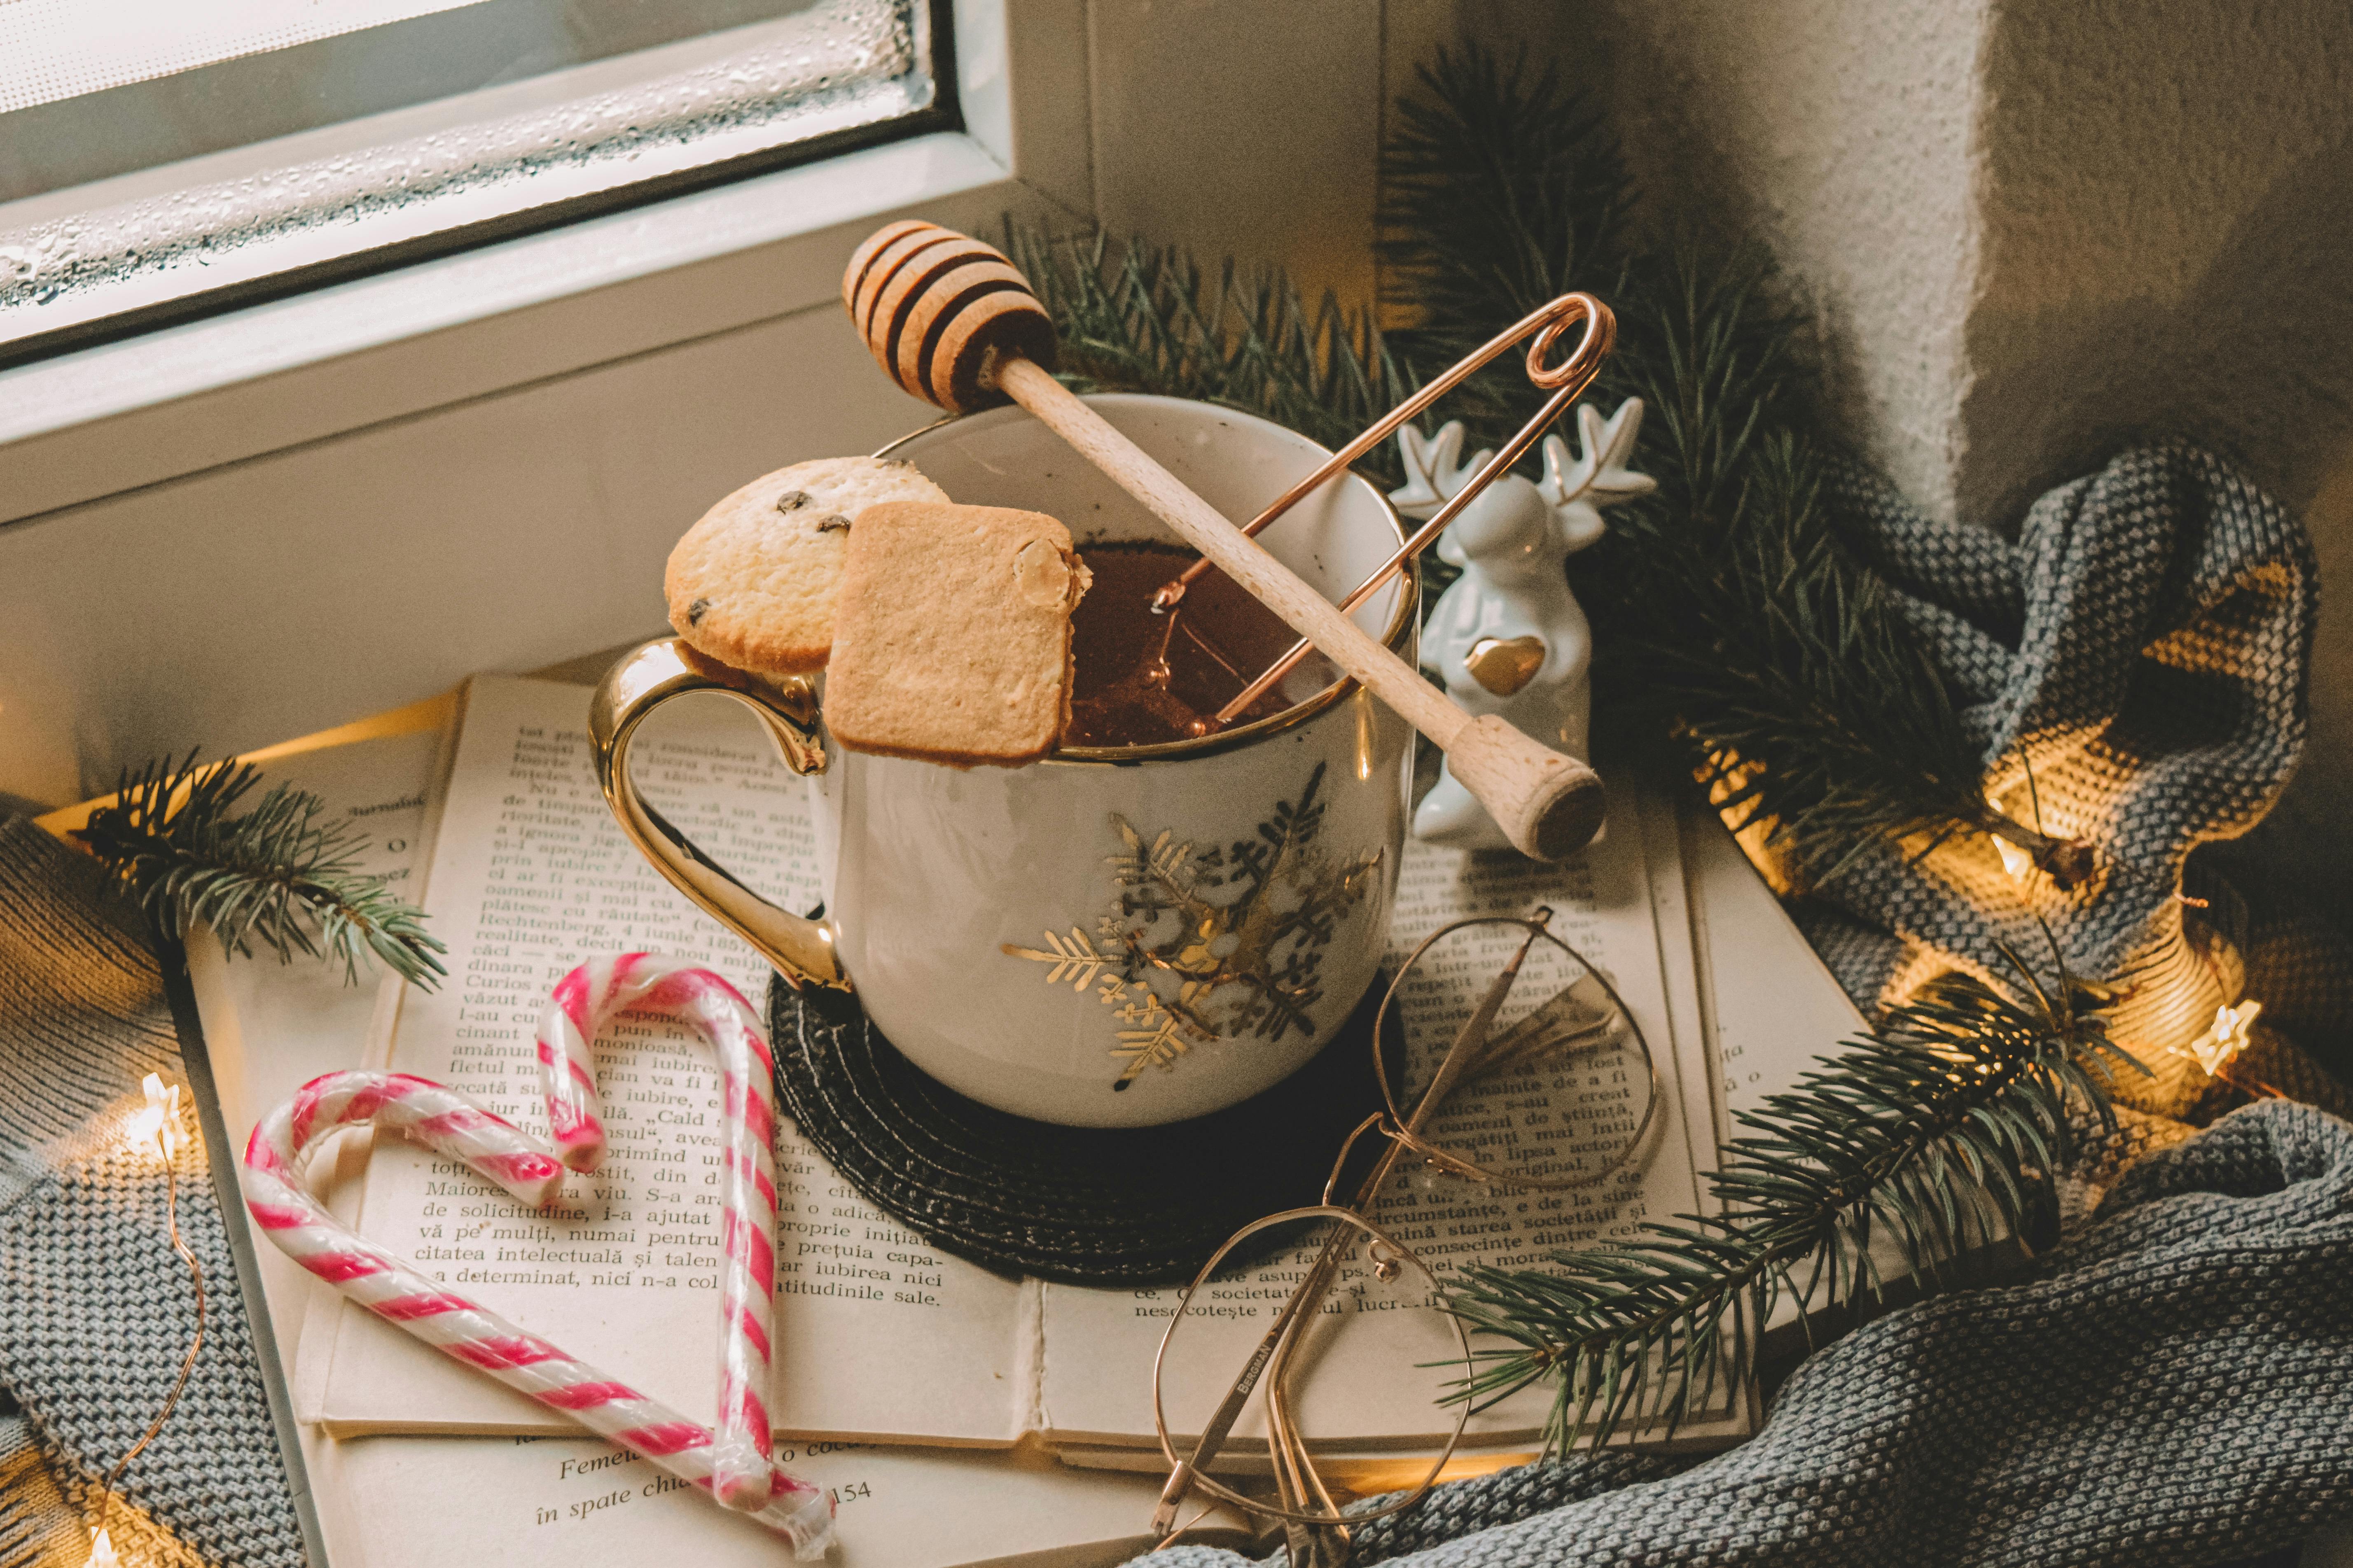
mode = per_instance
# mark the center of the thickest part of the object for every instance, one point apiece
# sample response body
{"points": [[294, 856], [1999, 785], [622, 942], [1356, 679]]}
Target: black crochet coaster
{"points": [[1130, 1206]]}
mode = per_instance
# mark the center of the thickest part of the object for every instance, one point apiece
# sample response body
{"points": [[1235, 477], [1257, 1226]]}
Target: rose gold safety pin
{"points": [[1565, 381]]}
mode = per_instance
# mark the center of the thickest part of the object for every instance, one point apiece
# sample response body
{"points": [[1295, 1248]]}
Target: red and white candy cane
{"points": [[450, 1124], [585, 1001]]}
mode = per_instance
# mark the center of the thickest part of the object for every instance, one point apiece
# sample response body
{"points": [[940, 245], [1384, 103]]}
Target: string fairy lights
{"points": [[2232, 1030], [154, 1127]]}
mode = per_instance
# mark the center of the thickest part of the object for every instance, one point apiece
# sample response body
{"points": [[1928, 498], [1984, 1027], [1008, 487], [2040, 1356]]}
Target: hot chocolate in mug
{"points": [[1115, 937]]}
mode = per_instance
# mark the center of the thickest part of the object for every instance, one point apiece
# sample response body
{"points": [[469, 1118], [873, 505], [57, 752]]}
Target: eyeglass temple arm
{"points": [[1297, 1484], [1312, 1289], [1309, 1291]]}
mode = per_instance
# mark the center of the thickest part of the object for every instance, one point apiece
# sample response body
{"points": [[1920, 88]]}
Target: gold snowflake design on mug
{"points": [[1244, 964]]}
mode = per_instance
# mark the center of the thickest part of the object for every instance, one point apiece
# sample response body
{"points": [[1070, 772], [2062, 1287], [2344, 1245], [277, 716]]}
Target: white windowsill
{"points": [[266, 522], [123, 416]]}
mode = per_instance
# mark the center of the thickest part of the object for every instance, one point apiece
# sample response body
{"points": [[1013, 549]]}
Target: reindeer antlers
{"points": [[1435, 469], [1432, 469], [1599, 476]]}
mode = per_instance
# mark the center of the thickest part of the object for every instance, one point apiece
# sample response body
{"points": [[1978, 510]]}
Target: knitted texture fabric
{"points": [[2172, 1387], [37, 1524], [2133, 670], [2176, 1388], [96, 1310]]}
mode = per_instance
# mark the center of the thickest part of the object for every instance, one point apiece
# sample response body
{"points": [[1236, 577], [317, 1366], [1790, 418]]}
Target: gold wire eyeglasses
{"points": [[1538, 1083]]}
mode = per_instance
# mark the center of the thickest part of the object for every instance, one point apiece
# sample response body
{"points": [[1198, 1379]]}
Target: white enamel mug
{"points": [[1115, 937]]}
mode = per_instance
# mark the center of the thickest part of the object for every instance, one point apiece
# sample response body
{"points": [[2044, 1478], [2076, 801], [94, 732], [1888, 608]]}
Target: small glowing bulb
{"points": [[2232, 1033], [158, 1122], [2014, 860], [101, 1549]]}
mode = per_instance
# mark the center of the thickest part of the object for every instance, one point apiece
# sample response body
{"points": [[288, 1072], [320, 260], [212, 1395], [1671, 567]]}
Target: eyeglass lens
{"points": [[1556, 1093]]}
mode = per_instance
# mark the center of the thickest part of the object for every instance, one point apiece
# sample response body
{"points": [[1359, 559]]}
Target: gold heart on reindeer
{"points": [[1505, 665]]}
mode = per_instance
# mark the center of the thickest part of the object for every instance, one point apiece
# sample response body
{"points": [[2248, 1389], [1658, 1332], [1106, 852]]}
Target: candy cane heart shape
{"points": [[450, 1124], [585, 1001]]}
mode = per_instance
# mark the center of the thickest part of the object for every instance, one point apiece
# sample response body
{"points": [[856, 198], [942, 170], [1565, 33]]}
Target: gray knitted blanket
{"points": [[2133, 669], [2174, 1389], [2142, 647], [95, 1310]]}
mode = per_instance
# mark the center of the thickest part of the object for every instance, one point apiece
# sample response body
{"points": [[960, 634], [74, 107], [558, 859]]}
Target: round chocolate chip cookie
{"points": [[753, 584]]}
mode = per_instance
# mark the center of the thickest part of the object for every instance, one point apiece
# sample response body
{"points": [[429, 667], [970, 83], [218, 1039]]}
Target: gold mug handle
{"points": [[803, 951]]}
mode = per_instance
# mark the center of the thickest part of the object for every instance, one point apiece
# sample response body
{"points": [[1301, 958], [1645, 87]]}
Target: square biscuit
{"points": [[751, 584], [952, 635]]}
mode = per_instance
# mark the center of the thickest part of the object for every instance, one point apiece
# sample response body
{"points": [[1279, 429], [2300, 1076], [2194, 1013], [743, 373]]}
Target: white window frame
{"points": [[92, 443], [107, 419]]}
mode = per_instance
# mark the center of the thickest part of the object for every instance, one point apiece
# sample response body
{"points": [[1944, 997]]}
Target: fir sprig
{"points": [[275, 875], [1735, 616], [1940, 1128], [1500, 191], [1148, 318]]}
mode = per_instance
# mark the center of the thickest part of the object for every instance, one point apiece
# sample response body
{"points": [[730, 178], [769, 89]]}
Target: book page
{"points": [[270, 1027], [1100, 1345], [530, 876], [1773, 1005], [521, 1502]]}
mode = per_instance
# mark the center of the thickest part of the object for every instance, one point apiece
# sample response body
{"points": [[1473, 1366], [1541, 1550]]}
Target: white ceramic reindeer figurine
{"points": [[1509, 637]]}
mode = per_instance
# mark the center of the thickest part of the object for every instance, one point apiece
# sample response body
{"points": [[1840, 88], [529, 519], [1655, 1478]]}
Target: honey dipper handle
{"points": [[1548, 804]]}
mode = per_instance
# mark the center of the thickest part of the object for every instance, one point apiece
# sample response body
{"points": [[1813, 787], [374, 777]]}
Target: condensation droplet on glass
{"points": [[864, 45]]}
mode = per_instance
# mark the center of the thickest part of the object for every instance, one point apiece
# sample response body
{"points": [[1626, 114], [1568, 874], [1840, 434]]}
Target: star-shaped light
{"points": [[2232, 1032]]}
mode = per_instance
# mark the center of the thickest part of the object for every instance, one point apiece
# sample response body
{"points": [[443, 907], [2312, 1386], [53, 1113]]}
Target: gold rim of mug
{"points": [[1257, 729]]}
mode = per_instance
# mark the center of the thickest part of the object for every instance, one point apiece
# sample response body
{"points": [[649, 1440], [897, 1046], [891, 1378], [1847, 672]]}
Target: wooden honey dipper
{"points": [[957, 324]]}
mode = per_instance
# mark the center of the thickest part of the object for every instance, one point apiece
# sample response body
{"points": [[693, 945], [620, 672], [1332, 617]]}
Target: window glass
{"points": [[164, 157], [91, 89]]}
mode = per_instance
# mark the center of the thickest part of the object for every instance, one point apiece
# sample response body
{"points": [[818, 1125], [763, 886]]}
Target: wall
{"points": [[1839, 132], [1252, 128], [1264, 152], [2164, 193]]}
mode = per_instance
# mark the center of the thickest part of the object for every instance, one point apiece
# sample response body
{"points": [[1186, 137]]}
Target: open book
{"points": [[404, 1501], [881, 1337]]}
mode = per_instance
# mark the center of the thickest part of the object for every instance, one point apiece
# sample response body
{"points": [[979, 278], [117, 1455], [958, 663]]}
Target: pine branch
{"points": [[1728, 613], [1498, 192], [275, 875], [1148, 319], [1940, 1128]]}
